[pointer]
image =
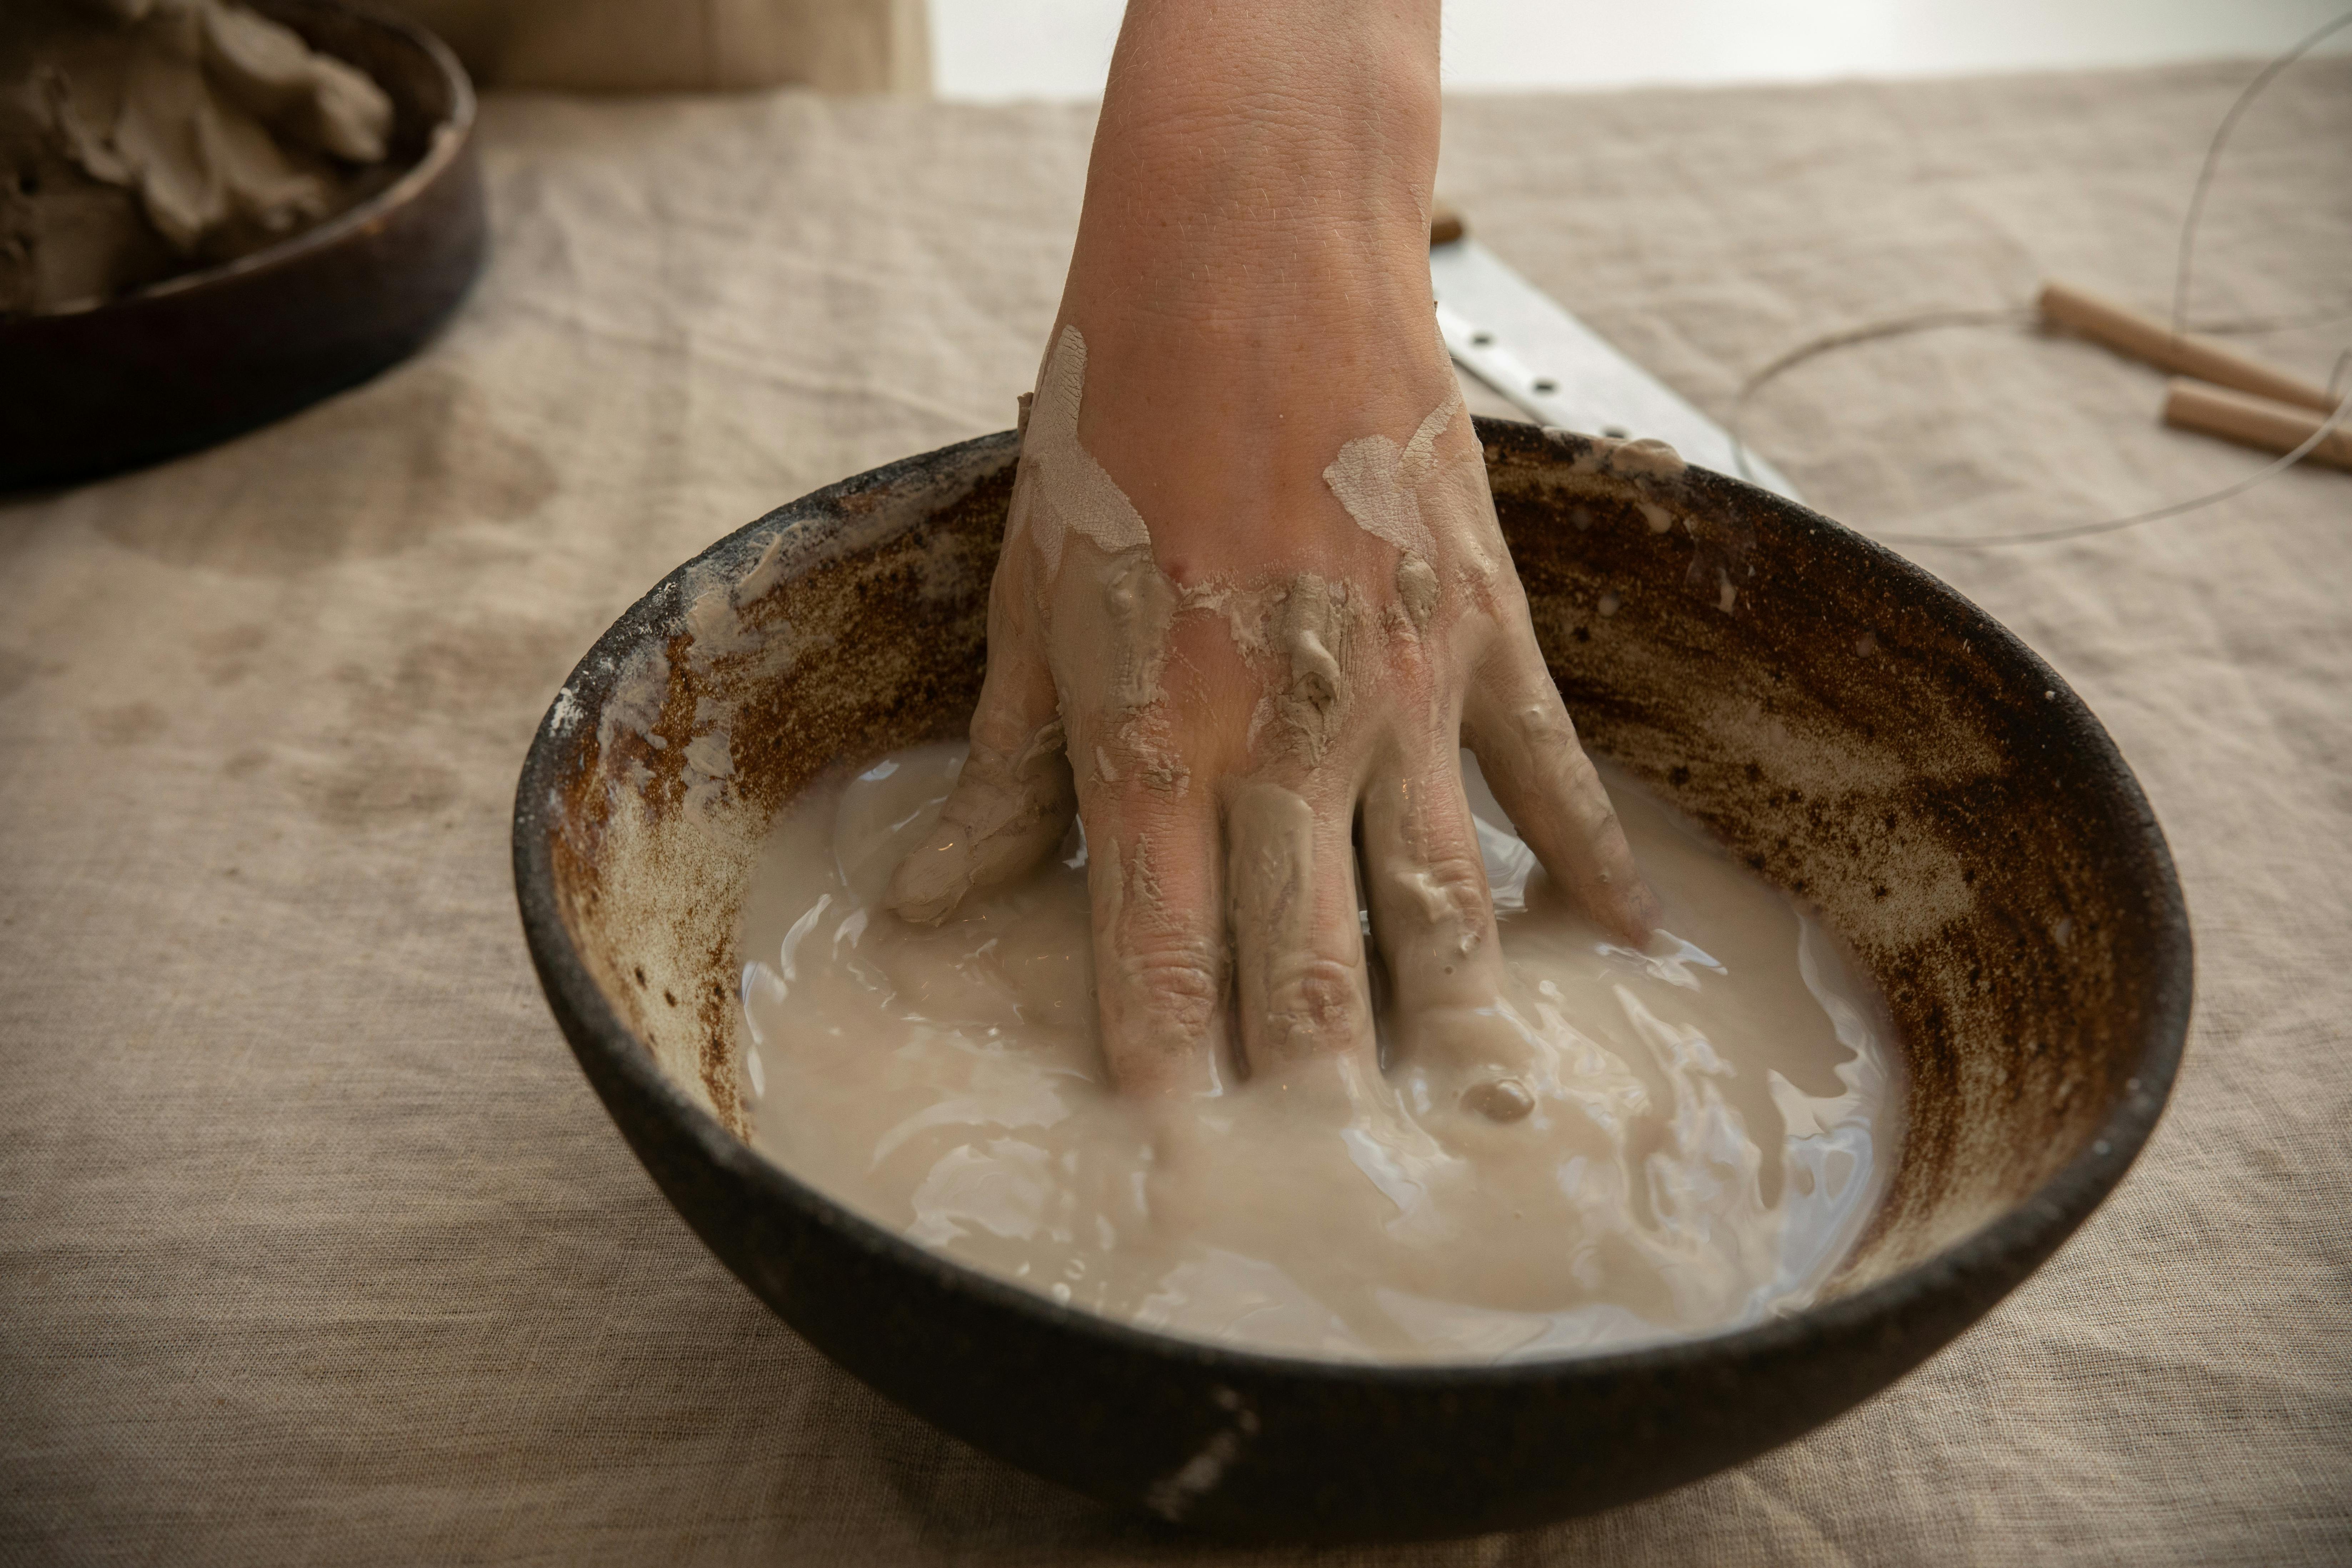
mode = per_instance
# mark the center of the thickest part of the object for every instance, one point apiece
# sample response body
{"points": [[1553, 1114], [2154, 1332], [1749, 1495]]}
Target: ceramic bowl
{"points": [[207, 354], [1851, 727]]}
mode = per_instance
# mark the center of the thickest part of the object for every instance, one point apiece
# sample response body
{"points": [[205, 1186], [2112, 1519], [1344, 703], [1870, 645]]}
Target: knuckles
{"points": [[1171, 984], [1543, 726], [1456, 889], [1320, 1003]]}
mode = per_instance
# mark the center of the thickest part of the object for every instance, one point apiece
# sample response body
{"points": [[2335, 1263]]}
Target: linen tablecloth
{"points": [[315, 1246]]}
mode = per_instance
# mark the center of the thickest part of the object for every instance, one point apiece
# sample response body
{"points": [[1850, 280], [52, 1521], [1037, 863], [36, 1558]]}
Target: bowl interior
{"points": [[1859, 734]]}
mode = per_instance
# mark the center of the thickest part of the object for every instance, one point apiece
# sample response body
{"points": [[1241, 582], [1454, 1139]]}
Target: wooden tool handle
{"points": [[2253, 421], [1445, 226], [2146, 338]]}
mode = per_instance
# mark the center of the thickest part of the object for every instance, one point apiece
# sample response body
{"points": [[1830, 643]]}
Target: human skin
{"points": [[1251, 283]]}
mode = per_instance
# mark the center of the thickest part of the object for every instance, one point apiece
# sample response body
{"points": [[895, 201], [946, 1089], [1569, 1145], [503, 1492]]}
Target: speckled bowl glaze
{"points": [[1854, 730]]}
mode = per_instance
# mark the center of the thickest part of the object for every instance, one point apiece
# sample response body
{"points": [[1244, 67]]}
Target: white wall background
{"points": [[996, 49]]}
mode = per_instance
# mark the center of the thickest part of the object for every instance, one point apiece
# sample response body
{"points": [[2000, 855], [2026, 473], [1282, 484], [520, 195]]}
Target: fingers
{"points": [[1014, 799], [1301, 992], [1154, 882], [1434, 922], [1528, 747]]}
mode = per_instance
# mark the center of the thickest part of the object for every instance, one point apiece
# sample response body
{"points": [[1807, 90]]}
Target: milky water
{"points": [[1716, 1115]]}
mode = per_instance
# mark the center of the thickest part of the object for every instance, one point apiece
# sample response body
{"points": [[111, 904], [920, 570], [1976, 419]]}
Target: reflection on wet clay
{"points": [[1691, 1136]]}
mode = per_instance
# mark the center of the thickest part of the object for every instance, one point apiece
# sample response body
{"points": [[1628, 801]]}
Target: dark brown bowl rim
{"points": [[446, 140], [2002, 1253]]}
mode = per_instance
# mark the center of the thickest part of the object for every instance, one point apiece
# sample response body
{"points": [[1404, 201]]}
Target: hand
{"points": [[1252, 598]]}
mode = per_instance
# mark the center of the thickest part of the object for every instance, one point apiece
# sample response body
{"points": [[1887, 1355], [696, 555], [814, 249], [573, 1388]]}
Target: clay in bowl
{"points": [[207, 354], [1854, 730]]}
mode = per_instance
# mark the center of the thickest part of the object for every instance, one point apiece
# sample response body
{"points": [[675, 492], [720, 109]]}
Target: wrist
{"points": [[1255, 162], [1250, 275]]}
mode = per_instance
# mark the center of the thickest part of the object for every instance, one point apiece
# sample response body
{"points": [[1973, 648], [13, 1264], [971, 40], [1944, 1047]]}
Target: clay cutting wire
{"points": [[1931, 320]]}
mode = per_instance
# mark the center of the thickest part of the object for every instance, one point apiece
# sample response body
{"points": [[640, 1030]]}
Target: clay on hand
{"points": [[1255, 757]]}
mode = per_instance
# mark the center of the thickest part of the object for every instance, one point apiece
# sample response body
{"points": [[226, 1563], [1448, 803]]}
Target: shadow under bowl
{"points": [[1853, 730], [208, 354]]}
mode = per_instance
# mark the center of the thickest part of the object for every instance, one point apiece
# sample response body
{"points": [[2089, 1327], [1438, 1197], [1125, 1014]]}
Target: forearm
{"points": [[1259, 192], [1247, 149]]}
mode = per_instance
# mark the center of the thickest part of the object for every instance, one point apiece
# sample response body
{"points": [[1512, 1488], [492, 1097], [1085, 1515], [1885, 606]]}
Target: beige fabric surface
{"points": [[314, 1245], [658, 45]]}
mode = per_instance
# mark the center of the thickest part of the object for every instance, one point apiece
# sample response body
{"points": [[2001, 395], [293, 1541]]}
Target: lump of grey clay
{"points": [[139, 139]]}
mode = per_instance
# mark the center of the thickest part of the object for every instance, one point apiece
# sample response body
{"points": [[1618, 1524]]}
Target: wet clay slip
{"points": [[1698, 1130]]}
